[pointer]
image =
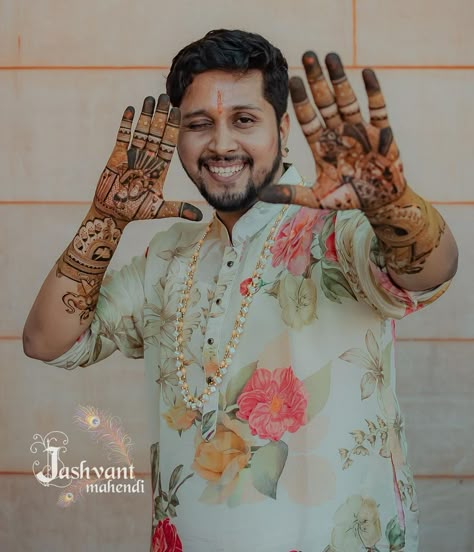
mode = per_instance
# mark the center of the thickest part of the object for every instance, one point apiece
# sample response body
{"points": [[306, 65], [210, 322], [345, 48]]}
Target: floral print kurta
{"points": [[309, 452]]}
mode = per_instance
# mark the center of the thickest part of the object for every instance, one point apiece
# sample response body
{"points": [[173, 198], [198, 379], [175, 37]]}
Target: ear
{"points": [[284, 129]]}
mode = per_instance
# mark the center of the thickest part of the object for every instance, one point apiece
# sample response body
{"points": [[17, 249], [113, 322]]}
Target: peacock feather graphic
{"points": [[106, 429], [103, 428], [74, 492]]}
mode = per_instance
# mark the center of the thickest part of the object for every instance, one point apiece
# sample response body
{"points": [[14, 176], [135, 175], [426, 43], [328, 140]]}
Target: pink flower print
{"points": [[273, 401], [292, 246], [244, 286], [165, 538], [330, 244]]}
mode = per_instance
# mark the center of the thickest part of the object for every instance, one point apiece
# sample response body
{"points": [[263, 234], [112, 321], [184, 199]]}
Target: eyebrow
{"points": [[234, 108]]}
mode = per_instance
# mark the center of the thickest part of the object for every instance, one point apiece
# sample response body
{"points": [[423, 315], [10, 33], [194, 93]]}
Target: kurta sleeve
{"points": [[118, 320], [357, 251]]}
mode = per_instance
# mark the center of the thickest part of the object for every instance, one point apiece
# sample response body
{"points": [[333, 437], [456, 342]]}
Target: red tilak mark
{"points": [[19, 42], [220, 107]]}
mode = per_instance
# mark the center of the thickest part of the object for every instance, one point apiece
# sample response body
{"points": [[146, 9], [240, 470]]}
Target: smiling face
{"points": [[229, 142]]}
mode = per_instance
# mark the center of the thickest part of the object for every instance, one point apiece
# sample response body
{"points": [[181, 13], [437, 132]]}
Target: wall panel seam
{"points": [[352, 66]]}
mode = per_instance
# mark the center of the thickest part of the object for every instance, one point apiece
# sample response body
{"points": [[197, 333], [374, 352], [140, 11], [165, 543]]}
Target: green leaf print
{"points": [[166, 502], [267, 465], [155, 464], [274, 289], [317, 385], [395, 535], [174, 479], [335, 285], [237, 383], [208, 421]]}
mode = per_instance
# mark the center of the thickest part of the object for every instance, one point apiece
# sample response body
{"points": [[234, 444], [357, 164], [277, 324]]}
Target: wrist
{"points": [[96, 213], [88, 255], [408, 229]]}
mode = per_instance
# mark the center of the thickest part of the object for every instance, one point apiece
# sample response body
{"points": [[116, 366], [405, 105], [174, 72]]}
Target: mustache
{"points": [[226, 158]]}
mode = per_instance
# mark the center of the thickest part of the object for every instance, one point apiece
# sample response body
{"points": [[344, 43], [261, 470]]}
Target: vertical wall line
{"points": [[354, 32]]}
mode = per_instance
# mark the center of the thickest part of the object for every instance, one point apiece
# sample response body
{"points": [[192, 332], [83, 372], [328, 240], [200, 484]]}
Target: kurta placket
{"points": [[214, 339]]}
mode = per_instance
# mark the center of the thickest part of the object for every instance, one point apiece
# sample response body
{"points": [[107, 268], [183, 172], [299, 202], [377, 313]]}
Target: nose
{"points": [[222, 140]]}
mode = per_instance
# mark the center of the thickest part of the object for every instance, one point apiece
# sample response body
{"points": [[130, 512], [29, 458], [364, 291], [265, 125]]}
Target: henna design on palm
{"points": [[129, 188], [131, 185], [358, 165]]}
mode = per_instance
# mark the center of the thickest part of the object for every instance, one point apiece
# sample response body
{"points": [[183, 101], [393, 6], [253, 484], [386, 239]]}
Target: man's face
{"points": [[229, 142]]}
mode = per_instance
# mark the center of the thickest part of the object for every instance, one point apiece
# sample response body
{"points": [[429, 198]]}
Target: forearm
{"points": [[419, 248], [66, 303]]}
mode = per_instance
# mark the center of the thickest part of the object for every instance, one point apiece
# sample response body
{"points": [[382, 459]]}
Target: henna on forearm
{"points": [[408, 229], [86, 259]]}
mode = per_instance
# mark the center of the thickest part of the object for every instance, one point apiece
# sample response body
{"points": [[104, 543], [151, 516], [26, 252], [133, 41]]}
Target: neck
{"points": [[229, 218]]}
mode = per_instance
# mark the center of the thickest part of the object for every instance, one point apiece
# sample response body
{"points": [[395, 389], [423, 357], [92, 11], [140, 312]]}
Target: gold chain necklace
{"points": [[214, 381]]}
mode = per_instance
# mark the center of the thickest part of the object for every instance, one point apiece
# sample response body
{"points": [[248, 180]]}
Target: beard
{"points": [[243, 199]]}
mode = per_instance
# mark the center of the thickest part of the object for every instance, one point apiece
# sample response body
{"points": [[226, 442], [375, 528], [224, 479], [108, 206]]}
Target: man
{"points": [[267, 333]]}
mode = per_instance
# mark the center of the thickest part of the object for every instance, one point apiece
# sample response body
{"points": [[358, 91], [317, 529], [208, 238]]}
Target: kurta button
{"points": [[210, 341], [218, 301], [230, 263]]}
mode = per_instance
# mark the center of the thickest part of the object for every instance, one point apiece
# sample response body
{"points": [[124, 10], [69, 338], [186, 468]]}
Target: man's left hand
{"points": [[358, 164]]}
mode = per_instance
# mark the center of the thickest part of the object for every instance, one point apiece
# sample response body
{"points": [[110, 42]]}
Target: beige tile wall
{"points": [[67, 70]]}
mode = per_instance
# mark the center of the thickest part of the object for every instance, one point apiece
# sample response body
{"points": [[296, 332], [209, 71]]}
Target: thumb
{"points": [[295, 195], [178, 209]]}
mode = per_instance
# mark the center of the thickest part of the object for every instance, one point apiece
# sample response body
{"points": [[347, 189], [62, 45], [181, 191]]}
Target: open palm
{"points": [[131, 185], [357, 163]]}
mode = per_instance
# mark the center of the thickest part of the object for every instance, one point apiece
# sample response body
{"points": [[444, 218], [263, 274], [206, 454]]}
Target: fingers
{"points": [[179, 209], [125, 130], [322, 94], [305, 112], [140, 135], [158, 124], [377, 108], [285, 193], [170, 135], [345, 98]]}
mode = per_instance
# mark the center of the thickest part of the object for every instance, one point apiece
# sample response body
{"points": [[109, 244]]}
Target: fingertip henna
{"points": [[371, 82], [277, 194], [309, 57], [190, 212], [148, 105], [129, 113], [297, 90], [175, 116], [334, 65], [163, 102]]}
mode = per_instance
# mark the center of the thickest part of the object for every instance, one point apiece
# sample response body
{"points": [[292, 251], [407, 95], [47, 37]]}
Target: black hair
{"points": [[231, 50]]}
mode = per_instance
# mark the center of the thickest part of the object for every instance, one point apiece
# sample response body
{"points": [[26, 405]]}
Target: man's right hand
{"points": [[131, 185], [130, 188]]}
